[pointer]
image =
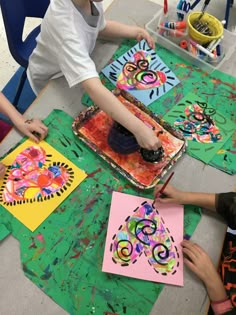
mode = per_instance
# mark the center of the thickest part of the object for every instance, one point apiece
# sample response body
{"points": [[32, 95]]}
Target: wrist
{"points": [[137, 127], [181, 197], [136, 31], [215, 287], [15, 117]]}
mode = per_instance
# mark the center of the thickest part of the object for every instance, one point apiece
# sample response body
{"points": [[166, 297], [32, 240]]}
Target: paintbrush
{"points": [[204, 8], [161, 192]]}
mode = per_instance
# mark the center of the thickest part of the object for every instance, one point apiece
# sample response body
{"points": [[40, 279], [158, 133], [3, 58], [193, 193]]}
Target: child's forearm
{"points": [[115, 29], [220, 302], [204, 200], [215, 288], [8, 109], [103, 98]]}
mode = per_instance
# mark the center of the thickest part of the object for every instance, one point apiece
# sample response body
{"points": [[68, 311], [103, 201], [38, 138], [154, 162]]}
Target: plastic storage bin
{"points": [[172, 43]]}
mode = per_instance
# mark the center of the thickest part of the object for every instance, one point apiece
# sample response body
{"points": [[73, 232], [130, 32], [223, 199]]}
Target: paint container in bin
{"points": [[228, 46], [213, 23], [170, 27]]}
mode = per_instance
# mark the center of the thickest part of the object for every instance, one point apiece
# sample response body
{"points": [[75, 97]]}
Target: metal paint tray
{"points": [[93, 125]]}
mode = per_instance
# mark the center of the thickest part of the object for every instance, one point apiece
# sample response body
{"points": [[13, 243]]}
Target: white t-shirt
{"points": [[64, 46]]}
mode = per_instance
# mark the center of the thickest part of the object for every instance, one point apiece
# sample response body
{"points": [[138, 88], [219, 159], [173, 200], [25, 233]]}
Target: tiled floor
{"points": [[8, 65]]}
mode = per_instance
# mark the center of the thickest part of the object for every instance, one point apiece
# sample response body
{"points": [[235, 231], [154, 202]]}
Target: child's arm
{"points": [[173, 195], [115, 29], [224, 203], [27, 127], [103, 98], [199, 262]]}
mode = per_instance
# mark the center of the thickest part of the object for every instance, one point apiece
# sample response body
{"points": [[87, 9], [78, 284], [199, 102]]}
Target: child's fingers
{"points": [[33, 137], [151, 43], [163, 200], [190, 254], [193, 247], [190, 265], [158, 188]]}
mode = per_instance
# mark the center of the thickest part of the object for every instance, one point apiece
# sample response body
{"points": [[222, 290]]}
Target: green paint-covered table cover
{"points": [[64, 255]]}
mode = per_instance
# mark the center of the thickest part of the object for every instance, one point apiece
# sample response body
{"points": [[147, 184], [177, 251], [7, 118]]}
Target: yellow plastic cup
{"points": [[214, 24]]}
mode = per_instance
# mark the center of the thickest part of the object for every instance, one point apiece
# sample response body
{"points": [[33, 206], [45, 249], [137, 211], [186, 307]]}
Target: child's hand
{"points": [[171, 194], [198, 261], [2, 170], [147, 139], [143, 34], [33, 128]]}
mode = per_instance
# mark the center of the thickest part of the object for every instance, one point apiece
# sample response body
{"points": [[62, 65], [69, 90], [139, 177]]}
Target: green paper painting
{"points": [[205, 128]]}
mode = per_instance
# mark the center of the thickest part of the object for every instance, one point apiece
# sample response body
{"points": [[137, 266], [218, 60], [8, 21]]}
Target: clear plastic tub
{"points": [[172, 43]]}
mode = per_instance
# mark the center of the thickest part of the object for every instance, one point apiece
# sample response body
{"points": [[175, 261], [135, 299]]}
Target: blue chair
{"points": [[14, 13]]}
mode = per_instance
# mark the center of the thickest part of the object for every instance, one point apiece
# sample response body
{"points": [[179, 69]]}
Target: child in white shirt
{"points": [[68, 35]]}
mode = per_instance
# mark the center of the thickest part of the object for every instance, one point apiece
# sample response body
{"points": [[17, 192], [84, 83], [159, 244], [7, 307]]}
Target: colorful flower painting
{"points": [[37, 180]]}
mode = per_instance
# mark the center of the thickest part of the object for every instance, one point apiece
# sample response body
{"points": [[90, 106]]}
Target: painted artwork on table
{"points": [[205, 128], [93, 127], [38, 178], [144, 242], [142, 73]]}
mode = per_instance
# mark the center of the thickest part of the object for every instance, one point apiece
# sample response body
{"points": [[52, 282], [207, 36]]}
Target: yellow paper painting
{"points": [[38, 178]]}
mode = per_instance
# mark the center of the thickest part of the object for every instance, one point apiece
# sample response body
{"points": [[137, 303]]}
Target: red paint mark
{"points": [[109, 313], [85, 241], [94, 173], [120, 188], [127, 186], [33, 245], [80, 223], [232, 95], [218, 81], [231, 151], [77, 255], [234, 140], [183, 65], [89, 205], [40, 238]]}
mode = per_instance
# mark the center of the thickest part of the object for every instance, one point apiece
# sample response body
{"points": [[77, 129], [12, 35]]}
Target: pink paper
{"points": [[144, 243]]}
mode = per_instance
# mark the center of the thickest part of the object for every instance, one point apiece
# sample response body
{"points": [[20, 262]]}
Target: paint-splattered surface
{"points": [[217, 89], [64, 255], [95, 128]]}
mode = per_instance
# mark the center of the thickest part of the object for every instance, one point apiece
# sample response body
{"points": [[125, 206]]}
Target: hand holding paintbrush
{"points": [[163, 192]]}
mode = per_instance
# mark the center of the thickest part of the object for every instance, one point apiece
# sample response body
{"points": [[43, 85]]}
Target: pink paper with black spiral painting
{"points": [[144, 242]]}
